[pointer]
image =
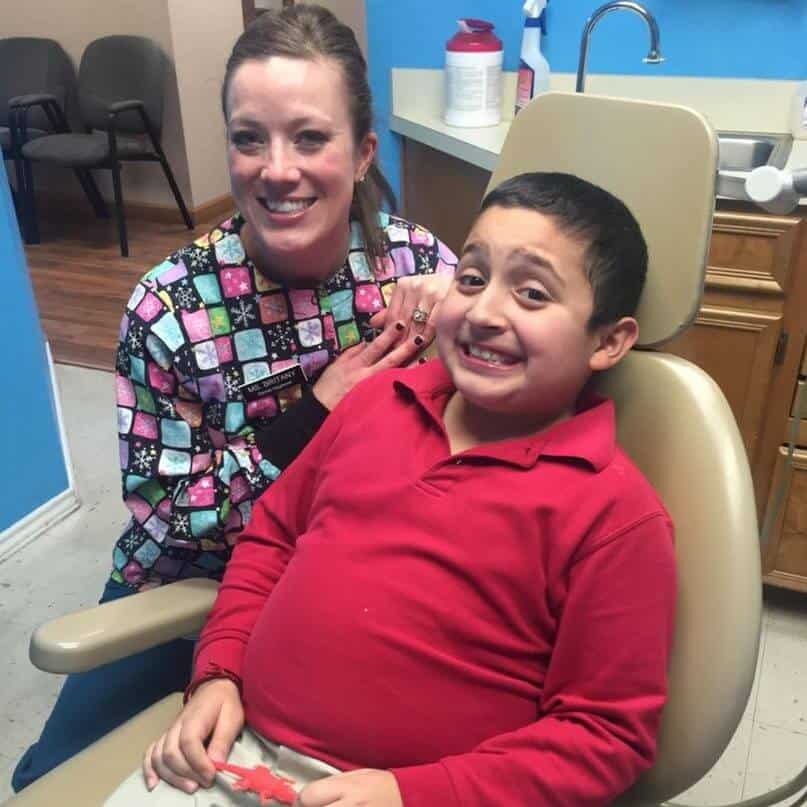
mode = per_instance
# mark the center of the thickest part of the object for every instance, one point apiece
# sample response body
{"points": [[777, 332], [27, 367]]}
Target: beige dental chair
{"points": [[673, 420]]}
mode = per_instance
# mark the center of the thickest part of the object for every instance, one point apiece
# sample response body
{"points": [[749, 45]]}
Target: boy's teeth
{"points": [[488, 355], [287, 205]]}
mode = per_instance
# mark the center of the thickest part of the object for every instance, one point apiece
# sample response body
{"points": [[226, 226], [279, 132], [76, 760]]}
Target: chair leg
{"points": [[169, 175], [18, 195], [92, 193], [124, 243], [18, 171], [19, 211], [29, 204]]}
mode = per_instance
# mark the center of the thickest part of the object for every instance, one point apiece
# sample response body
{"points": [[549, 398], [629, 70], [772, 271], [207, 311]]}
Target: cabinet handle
{"points": [[781, 347], [777, 497]]}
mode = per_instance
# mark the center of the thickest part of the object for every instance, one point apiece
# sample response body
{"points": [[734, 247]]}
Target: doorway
{"points": [[252, 8]]}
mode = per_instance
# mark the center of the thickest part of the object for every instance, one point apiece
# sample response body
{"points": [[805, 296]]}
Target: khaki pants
{"points": [[250, 749]]}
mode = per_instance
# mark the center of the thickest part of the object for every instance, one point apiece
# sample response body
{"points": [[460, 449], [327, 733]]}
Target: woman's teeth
{"points": [[287, 205], [489, 355]]}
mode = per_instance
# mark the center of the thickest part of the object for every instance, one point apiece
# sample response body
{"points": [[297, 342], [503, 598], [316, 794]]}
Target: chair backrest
{"points": [[34, 65], [673, 420], [122, 68]]}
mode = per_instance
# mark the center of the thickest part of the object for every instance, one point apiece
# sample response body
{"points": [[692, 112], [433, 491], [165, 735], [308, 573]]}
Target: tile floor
{"points": [[770, 745]]}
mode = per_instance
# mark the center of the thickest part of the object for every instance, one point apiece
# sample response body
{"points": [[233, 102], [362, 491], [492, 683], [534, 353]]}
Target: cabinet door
{"points": [[754, 295], [441, 192], [784, 560], [737, 348]]}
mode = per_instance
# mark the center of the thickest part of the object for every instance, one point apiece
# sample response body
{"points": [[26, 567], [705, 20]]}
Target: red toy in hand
{"points": [[262, 781]]}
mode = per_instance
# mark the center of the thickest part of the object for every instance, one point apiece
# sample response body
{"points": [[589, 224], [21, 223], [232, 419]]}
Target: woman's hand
{"points": [[363, 788], [363, 360], [415, 293], [179, 756]]}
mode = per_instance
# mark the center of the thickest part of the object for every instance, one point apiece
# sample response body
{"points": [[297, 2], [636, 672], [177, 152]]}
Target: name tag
{"points": [[280, 380]]}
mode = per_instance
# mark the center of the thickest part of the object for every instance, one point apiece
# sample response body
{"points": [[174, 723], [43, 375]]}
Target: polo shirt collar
{"points": [[589, 436]]}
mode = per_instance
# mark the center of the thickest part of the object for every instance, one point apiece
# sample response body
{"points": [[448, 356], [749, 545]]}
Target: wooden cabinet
{"points": [[441, 192], [749, 334], [737, 347]]}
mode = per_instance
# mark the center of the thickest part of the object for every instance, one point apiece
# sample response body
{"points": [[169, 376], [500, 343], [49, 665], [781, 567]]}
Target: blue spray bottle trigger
{"points": [[535, 13], [536, 22]]}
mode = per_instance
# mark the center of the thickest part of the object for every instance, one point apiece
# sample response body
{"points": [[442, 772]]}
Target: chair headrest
{"points": [[659, 159]]}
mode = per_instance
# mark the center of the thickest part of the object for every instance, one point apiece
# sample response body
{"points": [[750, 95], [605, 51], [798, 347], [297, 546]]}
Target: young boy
{"points": [[479, 610]]}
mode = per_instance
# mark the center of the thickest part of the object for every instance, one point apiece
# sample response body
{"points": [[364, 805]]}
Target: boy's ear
{"points": [[615, 340]]}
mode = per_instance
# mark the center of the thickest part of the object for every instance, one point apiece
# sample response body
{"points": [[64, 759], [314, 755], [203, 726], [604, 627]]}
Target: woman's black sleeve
{"points": [[288, 434]]}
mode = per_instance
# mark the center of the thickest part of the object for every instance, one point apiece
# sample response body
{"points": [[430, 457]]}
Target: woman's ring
{"points": [[420, 316]]}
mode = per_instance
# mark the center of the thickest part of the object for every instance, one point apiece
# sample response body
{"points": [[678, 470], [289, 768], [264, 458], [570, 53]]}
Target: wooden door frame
{"points": [[248, 9]]}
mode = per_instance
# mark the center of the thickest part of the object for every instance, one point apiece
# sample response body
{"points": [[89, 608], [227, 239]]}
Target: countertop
{"points": [[746, 105]]}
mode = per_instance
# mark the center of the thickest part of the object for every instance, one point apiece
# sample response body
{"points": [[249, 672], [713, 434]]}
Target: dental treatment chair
{"points": [[672, 419]]}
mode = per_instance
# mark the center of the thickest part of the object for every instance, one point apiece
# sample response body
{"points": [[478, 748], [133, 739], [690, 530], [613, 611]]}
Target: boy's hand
{"points": [[179, 756], [363, 788]]}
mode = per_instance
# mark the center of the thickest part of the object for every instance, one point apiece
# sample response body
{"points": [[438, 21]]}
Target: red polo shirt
{"points": [[494, 626]]}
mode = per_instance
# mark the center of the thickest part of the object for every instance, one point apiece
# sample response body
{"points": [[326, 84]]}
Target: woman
{"points": [[235, 348]]}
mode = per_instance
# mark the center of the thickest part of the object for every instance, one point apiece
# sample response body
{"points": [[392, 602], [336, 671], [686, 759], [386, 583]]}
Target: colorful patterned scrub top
{"points": [[193, 451]]}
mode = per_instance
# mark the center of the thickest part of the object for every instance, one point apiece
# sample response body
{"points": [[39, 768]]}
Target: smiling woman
{"points": [[294, 164], [234, 349]]}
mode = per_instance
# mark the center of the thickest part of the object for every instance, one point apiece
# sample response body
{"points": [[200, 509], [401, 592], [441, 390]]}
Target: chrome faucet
{"points": [[653, 55]]}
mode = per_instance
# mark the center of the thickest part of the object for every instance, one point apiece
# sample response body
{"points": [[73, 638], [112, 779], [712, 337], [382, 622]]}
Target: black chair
{"points": [[121, 83], [31, 65]]}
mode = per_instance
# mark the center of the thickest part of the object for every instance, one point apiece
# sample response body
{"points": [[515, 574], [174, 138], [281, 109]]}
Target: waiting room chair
{"points": [[672, 419], [121, 83], [31, 67]]}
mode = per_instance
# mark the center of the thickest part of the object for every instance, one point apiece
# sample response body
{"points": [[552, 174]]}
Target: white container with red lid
{"points": [[473, 75]]}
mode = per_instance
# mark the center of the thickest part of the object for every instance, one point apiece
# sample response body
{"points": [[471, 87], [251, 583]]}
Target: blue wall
{"points": [[729, 38], [32, 468]]}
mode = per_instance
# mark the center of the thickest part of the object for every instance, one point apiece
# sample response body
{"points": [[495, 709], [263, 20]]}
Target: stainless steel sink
{"points": [[741, 152]]}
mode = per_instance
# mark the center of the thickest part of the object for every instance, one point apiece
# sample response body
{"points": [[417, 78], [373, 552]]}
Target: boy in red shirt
{"points": [[480, 612]]}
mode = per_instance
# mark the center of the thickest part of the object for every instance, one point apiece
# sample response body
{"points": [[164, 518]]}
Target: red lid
{"points": [[474, 36]]}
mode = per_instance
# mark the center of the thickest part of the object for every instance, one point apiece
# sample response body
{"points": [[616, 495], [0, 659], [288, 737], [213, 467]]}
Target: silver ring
{"points": [[420, 316]]}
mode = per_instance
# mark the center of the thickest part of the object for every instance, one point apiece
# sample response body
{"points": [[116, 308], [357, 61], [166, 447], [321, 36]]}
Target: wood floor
{"points": [[81, 282]]}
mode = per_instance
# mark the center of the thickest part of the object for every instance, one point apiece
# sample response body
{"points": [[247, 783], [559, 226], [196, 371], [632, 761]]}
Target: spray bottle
{"points": [[533, 68]]}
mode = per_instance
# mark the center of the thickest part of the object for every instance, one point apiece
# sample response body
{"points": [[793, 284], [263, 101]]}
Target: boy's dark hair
{"points": [[616, 255]]}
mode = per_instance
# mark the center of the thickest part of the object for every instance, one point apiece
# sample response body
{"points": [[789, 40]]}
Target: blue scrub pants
{"points": [[93, 703]]}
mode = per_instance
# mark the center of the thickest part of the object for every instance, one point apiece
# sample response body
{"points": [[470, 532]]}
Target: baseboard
{"points": [[60, 203], [57, 404], [219, 206], [27, 529]]}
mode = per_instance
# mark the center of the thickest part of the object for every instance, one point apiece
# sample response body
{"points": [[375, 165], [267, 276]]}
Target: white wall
{"points": [[201, 43]]}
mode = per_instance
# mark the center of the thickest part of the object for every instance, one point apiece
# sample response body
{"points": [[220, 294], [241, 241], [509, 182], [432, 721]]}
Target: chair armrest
{"points": [[32, 99], [132, 105], [122, 106], [86, 639], [19, 106]]}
